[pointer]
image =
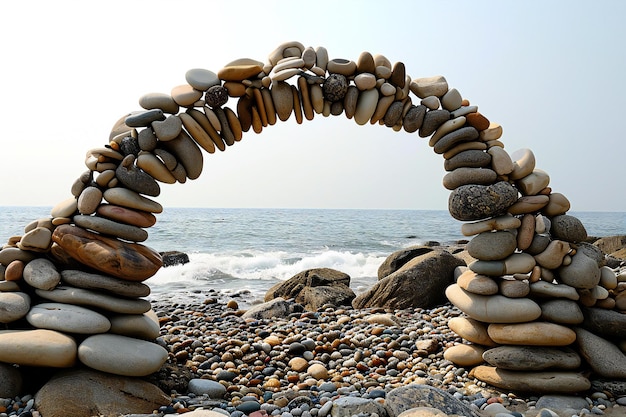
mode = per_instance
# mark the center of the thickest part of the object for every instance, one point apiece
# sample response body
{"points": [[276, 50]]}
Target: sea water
{"points": [[252, 249]]}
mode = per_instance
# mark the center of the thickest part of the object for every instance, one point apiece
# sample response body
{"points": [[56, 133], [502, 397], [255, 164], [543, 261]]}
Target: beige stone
{"points": [[127, 198], [477, 284], [529, 204], [464, 355], [447, 127], [537, 382], [494, 308], [161, 101], [532, 334], [37, 240], [500, 160], [471, 330], [366, 106], [197, 132], [38, 347], [185, 95], [67, 318], [558, 204], [552, 256], [121, 355]]}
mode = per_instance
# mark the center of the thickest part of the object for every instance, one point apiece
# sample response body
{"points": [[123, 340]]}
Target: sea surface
{"points": [[252, 249]]}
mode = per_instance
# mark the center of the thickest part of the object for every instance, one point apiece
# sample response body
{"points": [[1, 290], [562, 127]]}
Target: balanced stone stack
{"points": [[71, 286]]}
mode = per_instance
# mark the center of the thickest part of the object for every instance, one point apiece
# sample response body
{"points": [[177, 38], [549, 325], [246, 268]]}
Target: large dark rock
{"points": [[171, 258], [400, 257], [90, 393], [607, 323], [419, 283], [404, 398], [475, 202], [314, 288]]}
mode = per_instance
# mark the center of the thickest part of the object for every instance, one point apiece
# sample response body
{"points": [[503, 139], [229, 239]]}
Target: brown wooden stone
{"points": [[130, 261]]}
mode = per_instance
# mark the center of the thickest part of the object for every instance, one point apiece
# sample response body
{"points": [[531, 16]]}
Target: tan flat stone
{"points": [[464, 355], [38, 347], [497, 223], [185, 95], [240, 72], [127, 198], [493, 308], [471, 330], [148, 162], [197, 132], [539, 382], [533, 183], [366, 106], [535, 333]]}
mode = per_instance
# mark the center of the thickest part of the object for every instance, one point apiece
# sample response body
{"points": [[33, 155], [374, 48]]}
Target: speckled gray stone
{"points": [[475, 202]]}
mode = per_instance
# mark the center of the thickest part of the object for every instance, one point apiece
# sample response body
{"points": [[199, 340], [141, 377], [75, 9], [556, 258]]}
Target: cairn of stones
{"points": [[72, 291]]}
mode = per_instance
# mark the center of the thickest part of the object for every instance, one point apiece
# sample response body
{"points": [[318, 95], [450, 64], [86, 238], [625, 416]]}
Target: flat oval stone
{"points": [[121, 355], [143, 118], [89, 200], [67, 318], [493, 308], [468, 159], [491, 246], [240, 71], [464, 355], [130, 261], [201, 79], [568, 228], [38, 347], [41, 273], [471, 330], [125, 215], [113, 285], [127, 198], [477, 284], [185, 95], [464, 176], [538, 382], [365, 81], [161, 101], [88, 298], [140, 326], [341, 66], [449, 140], [531, 358], [561, 311], [65, 208], [366, 106], [13, 306], [10, 254], [111, 228], [476, 202], [531, 334]]}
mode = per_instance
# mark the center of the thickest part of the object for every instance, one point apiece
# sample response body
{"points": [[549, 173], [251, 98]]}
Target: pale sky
{"points": [[552, 73]]}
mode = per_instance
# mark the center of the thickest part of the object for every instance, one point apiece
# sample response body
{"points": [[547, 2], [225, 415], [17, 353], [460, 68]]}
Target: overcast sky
{"points": [[550, 72]]}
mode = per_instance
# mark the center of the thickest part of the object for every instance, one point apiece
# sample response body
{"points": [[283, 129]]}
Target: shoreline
{"points": [[359, 351]]}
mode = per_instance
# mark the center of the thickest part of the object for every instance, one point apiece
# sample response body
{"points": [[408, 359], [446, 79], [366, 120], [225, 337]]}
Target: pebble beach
{"points": [[300, 365]]}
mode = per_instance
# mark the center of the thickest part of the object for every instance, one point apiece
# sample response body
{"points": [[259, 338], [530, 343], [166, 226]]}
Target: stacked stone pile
{"points": [[71, 288]]}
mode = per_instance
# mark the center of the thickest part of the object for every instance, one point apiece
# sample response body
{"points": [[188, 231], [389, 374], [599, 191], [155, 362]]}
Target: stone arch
{"points": [[527, 249]]}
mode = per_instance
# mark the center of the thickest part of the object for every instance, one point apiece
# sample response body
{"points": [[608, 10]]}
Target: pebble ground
{"points": [[266, 364]]}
